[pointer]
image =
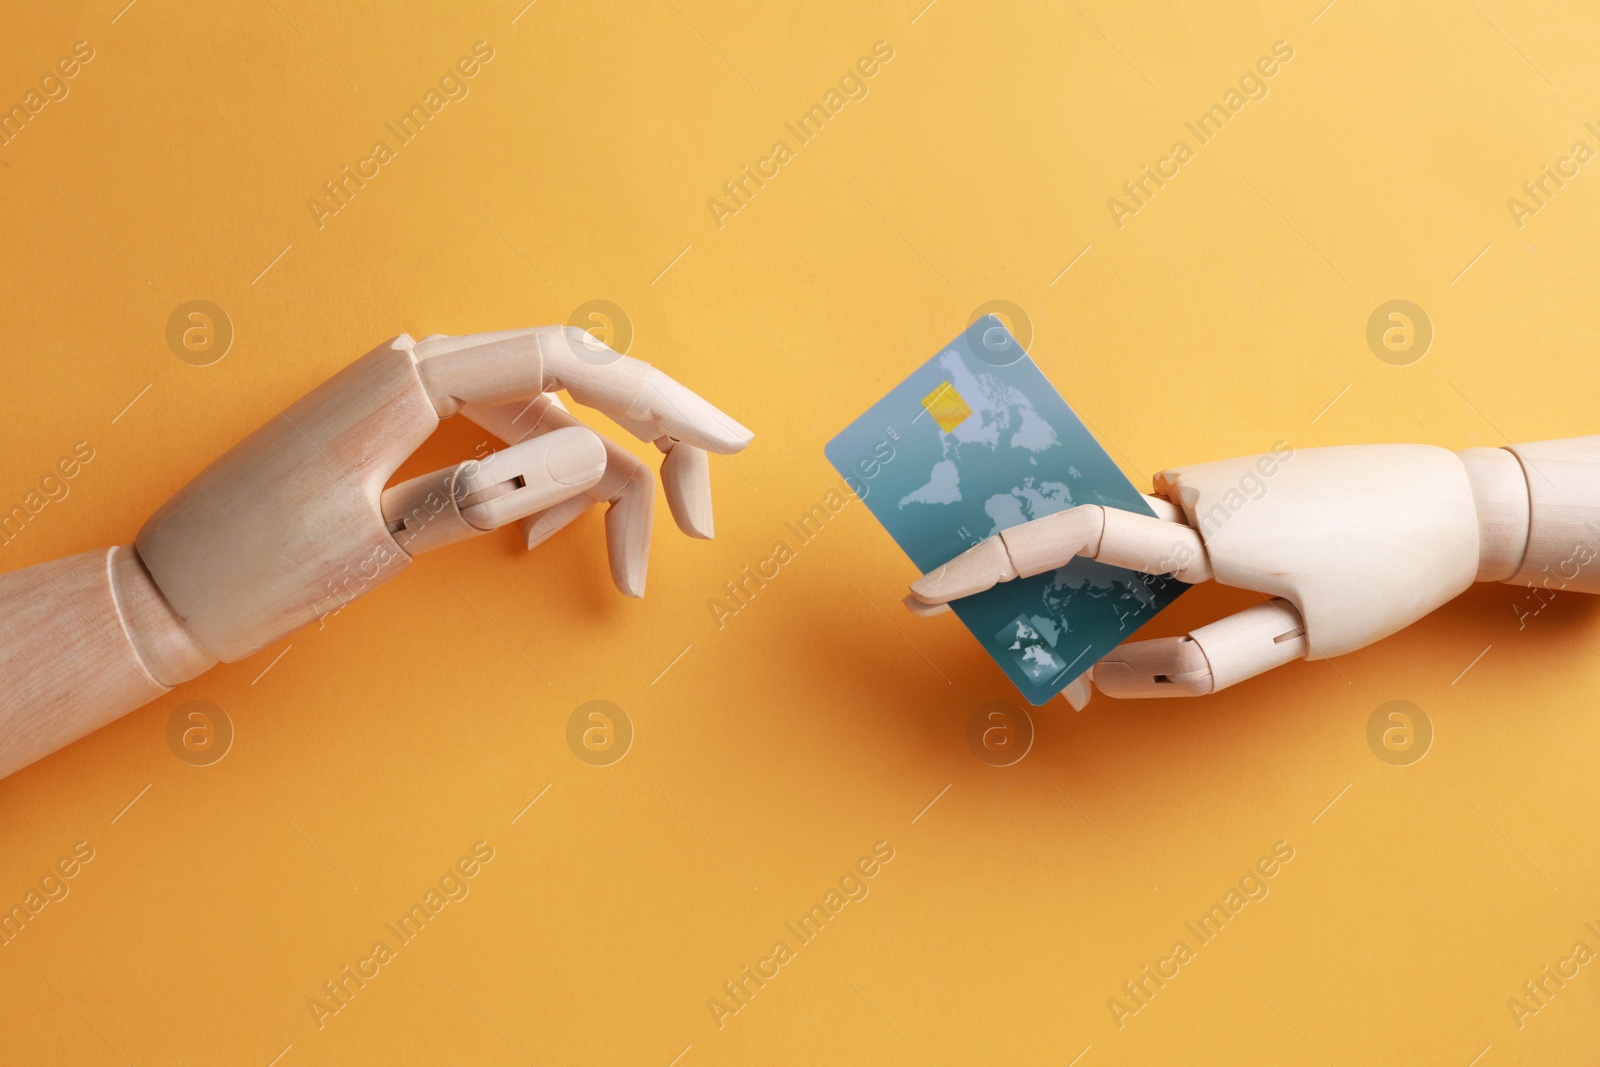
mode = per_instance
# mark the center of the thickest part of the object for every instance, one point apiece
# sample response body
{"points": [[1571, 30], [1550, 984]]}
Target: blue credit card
{"points": [[976, 441]]}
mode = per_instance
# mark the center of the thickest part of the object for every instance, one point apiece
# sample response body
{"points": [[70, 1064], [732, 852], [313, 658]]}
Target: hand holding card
{"points": [[981, 443]]}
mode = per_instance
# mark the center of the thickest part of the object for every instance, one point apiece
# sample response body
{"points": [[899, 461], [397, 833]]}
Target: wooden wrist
{"points": [[164, 644]]}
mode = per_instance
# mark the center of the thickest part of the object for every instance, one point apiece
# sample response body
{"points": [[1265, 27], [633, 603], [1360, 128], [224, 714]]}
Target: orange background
{"points": [[772, 752]]}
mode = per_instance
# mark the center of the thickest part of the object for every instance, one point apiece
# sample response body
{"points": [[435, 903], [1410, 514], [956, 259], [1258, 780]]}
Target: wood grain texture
{"points": [[1564, 517], [286, 526], [1363, 539], [68, 663]]}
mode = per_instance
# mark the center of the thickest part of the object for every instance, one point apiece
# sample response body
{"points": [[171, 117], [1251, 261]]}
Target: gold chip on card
{"points": [[946, 406]]}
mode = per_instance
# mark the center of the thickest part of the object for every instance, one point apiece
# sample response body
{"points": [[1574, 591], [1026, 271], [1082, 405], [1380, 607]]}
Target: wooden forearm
{"points": [[83, 641], [1538, 508], [1563, 480]]}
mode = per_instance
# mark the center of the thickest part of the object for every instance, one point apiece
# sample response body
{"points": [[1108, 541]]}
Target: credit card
{"points": [[975, 441]]}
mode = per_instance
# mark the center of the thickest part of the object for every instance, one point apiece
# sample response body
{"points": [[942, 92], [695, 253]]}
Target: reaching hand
{"points": [[295, 521]]}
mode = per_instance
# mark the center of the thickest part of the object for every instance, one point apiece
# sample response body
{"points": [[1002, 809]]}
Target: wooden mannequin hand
{"points": [[1346, 545], [296, 521]]}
